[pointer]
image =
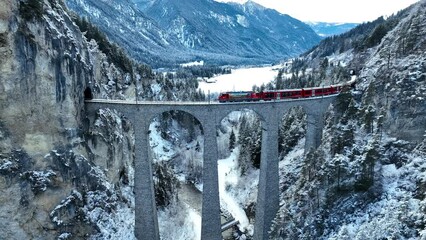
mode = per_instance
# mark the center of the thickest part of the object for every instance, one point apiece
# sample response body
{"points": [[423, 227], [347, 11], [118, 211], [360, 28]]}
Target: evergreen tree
{"points": [[376, 37], [323, 68], [31, 9], [257, 143], [366, 179], [232, 141], [280, 84], [292, 129], [369, 118], [250, 140], [165, 184], [198, 147]]}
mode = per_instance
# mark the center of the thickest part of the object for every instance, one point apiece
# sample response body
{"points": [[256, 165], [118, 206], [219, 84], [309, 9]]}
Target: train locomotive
{"points": [[250, 96]]}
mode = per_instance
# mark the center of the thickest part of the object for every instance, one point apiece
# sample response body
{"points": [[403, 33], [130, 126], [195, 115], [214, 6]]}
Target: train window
{"points": [[285, 94]]}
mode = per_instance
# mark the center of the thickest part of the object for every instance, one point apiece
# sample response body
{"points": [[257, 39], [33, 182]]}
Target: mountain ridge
{"points": [[185, 31]]}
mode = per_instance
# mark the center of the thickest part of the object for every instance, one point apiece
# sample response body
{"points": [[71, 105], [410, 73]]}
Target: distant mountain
{"points": [[329, 29], [127, 26], [169, 32]]}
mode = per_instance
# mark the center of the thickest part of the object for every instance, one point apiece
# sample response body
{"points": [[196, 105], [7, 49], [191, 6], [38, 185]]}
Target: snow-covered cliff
{"points": [[55, 180], [367, 179]]}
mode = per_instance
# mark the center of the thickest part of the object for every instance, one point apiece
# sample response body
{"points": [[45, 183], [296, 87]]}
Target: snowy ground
{"points": [[235, 190], [241, 79]]}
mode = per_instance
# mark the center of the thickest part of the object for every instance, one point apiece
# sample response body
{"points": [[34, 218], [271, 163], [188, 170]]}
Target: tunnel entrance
{"points": [[88, 94]]}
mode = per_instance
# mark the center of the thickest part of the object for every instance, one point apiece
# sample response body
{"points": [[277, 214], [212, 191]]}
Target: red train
{"points": [[284, 94]]}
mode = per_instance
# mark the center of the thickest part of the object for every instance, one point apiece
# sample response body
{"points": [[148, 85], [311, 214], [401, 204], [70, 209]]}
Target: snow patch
{"points": [[242, 20], [191, 64], [242, 79]]}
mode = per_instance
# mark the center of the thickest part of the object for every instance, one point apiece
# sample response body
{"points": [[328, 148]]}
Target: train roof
{"points": [[237, 92], [284, 90], [351, 82]]}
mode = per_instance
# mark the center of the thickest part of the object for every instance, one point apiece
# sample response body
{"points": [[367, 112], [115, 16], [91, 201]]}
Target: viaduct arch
{"points": [[210, 116]]}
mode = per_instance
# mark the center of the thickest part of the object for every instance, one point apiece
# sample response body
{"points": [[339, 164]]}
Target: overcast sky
{"points": [[354, 11]]}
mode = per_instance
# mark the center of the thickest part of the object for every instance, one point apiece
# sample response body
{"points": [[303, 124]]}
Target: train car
{"points": [[324, 91], [282, 94], [239, 96], [285, 94]]}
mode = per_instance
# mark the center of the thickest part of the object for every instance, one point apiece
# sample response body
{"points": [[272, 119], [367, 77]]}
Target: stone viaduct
{"points": [[141, 114]]}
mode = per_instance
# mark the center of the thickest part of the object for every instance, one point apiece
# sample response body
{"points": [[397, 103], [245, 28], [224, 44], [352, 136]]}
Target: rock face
{"points": [[396, 75], [29, 86], [59, 177], [55, 180]]}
